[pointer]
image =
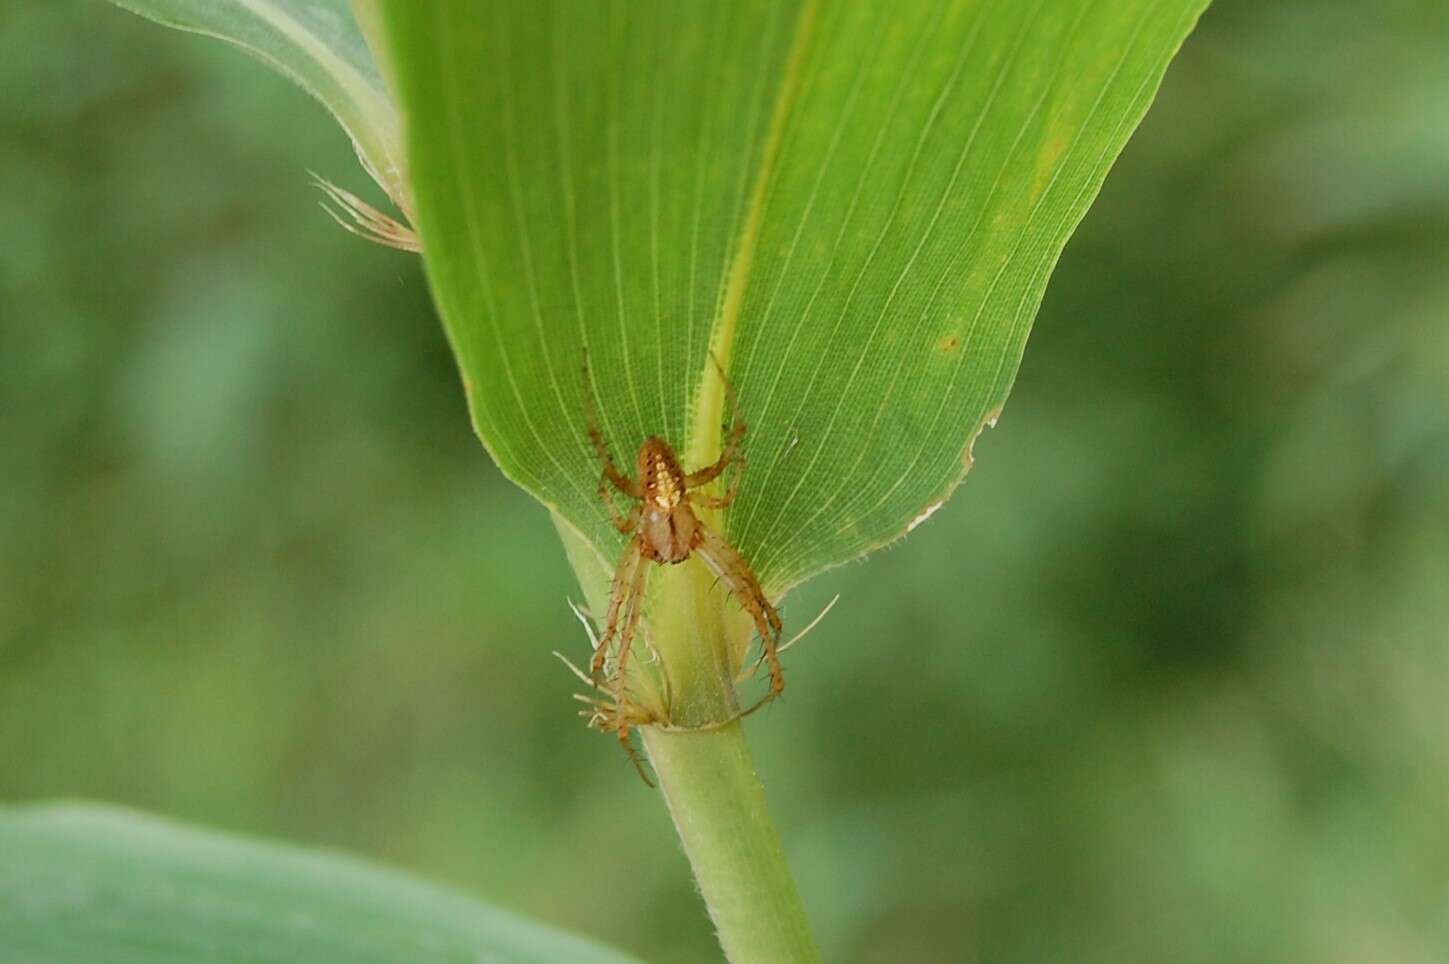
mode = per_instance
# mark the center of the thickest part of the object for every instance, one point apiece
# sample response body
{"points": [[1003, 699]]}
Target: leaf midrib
{"points": [[703, 439]]}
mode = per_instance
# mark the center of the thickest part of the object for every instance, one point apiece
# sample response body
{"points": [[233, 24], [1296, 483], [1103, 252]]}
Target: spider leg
{"points": [[721, 501], [621, 481], [730, 455], [632, 613], [626, 577], [726, 563], [624, 523], [635, 759]]}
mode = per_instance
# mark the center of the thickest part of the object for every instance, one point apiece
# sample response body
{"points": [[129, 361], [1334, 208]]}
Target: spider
{"points": [[667, 531]]}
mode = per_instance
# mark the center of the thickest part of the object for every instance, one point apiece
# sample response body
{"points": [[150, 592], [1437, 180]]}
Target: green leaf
{"points": [[318, 45], [88, 883], [855, 206]]}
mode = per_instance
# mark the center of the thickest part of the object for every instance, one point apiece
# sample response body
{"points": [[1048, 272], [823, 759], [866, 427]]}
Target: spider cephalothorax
{"points": [[664, 529]]}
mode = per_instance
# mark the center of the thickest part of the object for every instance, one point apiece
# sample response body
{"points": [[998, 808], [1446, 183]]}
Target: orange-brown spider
{"points": [[666, 531]]}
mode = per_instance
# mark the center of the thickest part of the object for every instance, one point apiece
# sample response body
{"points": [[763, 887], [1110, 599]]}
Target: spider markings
{"points": [[666, 531]]}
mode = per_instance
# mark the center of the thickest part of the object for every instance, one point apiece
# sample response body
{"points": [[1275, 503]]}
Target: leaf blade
{"points": [[86, 883], [855, 205], [319, 47]]}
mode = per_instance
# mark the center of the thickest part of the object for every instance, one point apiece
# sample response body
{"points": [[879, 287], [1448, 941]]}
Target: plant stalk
{"points": [[718, 806]]}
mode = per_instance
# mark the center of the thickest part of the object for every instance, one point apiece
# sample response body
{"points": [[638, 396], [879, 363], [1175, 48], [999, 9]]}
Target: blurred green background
{"points": [[1167, 680]]}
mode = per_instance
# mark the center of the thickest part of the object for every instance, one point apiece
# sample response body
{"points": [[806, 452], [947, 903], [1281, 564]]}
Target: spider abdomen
{"points": [[660, 474]]}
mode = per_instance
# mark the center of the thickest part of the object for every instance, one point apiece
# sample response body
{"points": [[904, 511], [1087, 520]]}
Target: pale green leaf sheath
{"points": [[100, 885], [854, 207]]}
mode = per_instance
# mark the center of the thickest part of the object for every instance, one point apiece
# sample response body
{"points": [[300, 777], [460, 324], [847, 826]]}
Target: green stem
{"points": [[703, 765], [718, 806]]}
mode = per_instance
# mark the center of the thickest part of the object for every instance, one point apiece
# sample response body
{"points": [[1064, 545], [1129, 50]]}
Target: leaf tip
{"points": [[362, 219]]}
